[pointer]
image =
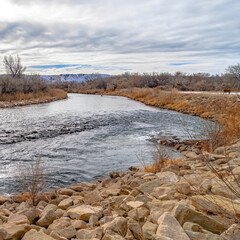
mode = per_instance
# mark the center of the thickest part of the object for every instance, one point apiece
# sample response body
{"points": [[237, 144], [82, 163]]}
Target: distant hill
{"points": [[73, 77]]}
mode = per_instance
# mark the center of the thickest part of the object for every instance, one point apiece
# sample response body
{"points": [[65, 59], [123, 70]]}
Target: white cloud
{"points": [[139, 35]]}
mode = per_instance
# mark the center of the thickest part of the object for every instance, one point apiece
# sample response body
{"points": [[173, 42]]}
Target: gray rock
{"points": [[149, 229], [68, 232], [46, 218], [18, 219], [148, 187], [109, 235], [84, 212], [90, 234], [35, 235], [66, 203], [169, 227], [203, 236], [185, 214], [167, 177], [12, 231], [232, 233], [118, 225]]}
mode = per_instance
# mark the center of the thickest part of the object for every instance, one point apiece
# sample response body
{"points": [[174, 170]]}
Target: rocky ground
{"points": [[184, 201]]}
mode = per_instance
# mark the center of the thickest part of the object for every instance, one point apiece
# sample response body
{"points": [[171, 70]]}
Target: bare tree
{"points": [[13, 66], [234, 70]]}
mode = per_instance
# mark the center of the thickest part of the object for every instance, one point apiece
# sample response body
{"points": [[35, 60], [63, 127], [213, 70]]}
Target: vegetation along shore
{"points": [[17, 89]]}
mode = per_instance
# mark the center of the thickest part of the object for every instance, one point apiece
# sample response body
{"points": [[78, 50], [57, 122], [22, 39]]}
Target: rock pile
{"points": [[184, 201]]}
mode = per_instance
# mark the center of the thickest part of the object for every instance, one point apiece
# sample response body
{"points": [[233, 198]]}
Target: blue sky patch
{"points": [[179, 64], [53, 66]]}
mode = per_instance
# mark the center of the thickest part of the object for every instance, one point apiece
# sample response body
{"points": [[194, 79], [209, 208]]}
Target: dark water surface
{"points": [[84, 137]]}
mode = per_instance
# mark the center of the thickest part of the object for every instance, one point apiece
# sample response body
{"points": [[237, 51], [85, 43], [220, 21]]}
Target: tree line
{"points": [[230, 80], [15, 81]]}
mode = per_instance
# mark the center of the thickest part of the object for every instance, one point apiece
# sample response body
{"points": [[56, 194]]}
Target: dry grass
{"points": [[56, 93], [158, 165], [32, 179], [20, 99], [160, 159]]}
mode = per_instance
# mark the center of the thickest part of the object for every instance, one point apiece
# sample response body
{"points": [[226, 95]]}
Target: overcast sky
{"points": [[115, 36]]}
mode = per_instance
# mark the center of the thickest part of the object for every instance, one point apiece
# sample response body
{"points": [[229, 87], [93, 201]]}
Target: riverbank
{"points": [[183, 201], [223, 108], [198, 104], [21, 99]]}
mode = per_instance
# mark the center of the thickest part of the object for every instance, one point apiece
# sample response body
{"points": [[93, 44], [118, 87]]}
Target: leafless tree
{"points": [[13, 66], [235, 71]]}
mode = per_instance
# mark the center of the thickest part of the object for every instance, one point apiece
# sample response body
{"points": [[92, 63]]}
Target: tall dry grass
{"points": [[41, 95], [160, 159]]}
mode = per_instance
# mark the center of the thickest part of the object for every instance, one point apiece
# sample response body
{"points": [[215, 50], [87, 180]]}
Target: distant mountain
{"points": [[73, 77]]}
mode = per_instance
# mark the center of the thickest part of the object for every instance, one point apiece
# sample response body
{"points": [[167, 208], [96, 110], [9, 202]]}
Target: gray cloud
{"points": [[174, 31]]}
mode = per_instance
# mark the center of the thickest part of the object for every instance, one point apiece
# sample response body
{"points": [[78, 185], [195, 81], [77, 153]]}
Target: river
{"points": [[84, 137]]}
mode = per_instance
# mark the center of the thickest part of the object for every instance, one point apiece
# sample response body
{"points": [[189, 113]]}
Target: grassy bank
{"points": [[22, 99]]}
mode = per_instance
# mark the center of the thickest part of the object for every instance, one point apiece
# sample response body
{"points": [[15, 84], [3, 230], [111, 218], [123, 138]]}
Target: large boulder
{"points": [[169, 227], [111, 191], [232, 233], [149, 229], [86, 234], [65, 203], [109, 235], [139, 214], [157, 208], [59, 224], [183, 187], [217, 204], [66, 191], [203, 236], [18, 219], [83, 186], [92, 197], [161, 192], [167, 177], [148, 187], [135, 204], [31, 214], [11, 231], [47, 217], [135, 229], [84, 212], [118, 225], [68, 232], [185, 214], [5, 199], [79, 224], [235, 161], [35, 235], [219, 188]]}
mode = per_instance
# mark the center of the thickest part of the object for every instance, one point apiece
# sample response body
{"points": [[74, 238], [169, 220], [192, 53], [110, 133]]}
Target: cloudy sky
{"points": [[115, 36]]}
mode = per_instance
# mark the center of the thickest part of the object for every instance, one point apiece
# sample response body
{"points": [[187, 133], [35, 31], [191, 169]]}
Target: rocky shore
{"points": [[183, 201]]}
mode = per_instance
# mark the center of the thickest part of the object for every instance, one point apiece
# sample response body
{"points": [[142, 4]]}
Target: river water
{"points": [[84, 137]]}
